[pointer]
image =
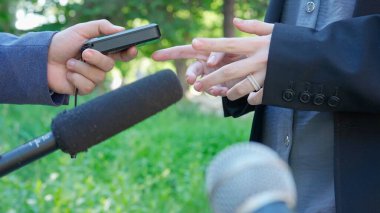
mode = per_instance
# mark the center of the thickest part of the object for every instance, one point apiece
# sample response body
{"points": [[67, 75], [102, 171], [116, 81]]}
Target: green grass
{"points": [[155, 166]]}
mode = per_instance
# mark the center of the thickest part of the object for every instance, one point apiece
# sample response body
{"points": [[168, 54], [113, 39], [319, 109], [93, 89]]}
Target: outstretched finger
{"points": [[243, 46], [179, 52], [253, 26]]}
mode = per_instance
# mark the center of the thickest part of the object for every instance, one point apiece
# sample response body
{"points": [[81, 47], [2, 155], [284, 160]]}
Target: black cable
{"points": [[76, 97]]}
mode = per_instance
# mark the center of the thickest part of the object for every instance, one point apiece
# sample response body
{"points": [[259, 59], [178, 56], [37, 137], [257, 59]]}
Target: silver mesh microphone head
{"points": [[246, 177]]}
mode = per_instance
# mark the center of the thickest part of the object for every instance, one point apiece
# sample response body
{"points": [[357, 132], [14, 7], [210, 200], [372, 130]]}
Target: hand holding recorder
{"points": [[66, 71]]}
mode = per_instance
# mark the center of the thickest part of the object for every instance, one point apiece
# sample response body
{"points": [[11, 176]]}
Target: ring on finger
{"points": [[256, 86]]}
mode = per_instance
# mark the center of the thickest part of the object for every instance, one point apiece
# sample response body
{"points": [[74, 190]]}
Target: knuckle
{"points": [[104, 21], [71, 77], [224, 72], [240, 91], [227, 72], [201, 57], [71, 64], [230, 44]]}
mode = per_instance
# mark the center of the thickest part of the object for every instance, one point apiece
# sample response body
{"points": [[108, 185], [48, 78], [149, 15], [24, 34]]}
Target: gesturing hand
{"points": [[206, 63], [255, 49], [65, 72]]}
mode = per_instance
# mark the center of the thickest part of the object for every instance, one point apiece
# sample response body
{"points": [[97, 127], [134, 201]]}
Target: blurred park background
{"points": [[155, 166]]}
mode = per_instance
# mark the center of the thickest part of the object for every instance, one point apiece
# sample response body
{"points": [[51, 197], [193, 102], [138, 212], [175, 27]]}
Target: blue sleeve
{"points": [[23, 70]]}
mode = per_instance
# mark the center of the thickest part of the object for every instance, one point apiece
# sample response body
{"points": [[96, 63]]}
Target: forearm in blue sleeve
{"points": [[23, 70]]}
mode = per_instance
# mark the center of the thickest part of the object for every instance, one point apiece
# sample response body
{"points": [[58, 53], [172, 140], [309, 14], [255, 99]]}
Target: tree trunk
{"points": [[228, 12], [228, 31], [6, 17], [180, 65]]}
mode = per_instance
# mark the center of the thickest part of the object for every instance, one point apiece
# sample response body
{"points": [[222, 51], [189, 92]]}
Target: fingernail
{"points": [[132, 51], [238, 20], [119, 27], [198, 86], [187, 79], [71, 63], [88, 53], [211, 60], [196, 42], [161, 52]]}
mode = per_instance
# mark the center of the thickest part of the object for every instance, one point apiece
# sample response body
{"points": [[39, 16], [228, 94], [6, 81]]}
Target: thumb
{"points": [[253, 26], [96, 28]]}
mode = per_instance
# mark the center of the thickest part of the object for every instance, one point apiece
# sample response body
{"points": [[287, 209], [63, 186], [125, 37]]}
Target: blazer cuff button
{"points": [[333, 101], [288, 95], [305, 97], [319, 99]]}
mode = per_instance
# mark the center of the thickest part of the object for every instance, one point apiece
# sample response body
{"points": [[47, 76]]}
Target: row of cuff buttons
{"points": [[305, 97]]}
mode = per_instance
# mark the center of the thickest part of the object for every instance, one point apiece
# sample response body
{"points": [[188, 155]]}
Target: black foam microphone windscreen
{"points": [[78, 129]]}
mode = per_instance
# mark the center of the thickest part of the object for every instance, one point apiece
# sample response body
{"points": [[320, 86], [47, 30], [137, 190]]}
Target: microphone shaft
{"points": [[27, 153]]}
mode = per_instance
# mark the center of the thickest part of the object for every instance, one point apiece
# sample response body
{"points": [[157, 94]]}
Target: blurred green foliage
{"points": [[179, 21], [156, 166]]}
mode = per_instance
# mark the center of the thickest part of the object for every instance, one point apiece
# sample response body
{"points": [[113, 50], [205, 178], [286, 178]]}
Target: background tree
{"points": [[159, 164], [229, 14], [180, 21], [6, 20]]}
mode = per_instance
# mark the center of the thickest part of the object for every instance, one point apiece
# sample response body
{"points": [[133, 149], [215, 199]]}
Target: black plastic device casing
{"points": [[123, 40]]}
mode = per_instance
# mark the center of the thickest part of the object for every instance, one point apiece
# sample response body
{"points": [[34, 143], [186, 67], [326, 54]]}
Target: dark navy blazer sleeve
{"points": [[23, 70], [236, 108], [335, 69]]}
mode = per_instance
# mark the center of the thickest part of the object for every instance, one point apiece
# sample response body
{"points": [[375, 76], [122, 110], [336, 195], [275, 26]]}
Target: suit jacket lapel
{"points": [[274, 11]]}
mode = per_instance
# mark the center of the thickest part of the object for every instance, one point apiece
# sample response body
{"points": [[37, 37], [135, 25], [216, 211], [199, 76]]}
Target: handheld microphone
{"points": [[76, 130], [250, 177]]}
